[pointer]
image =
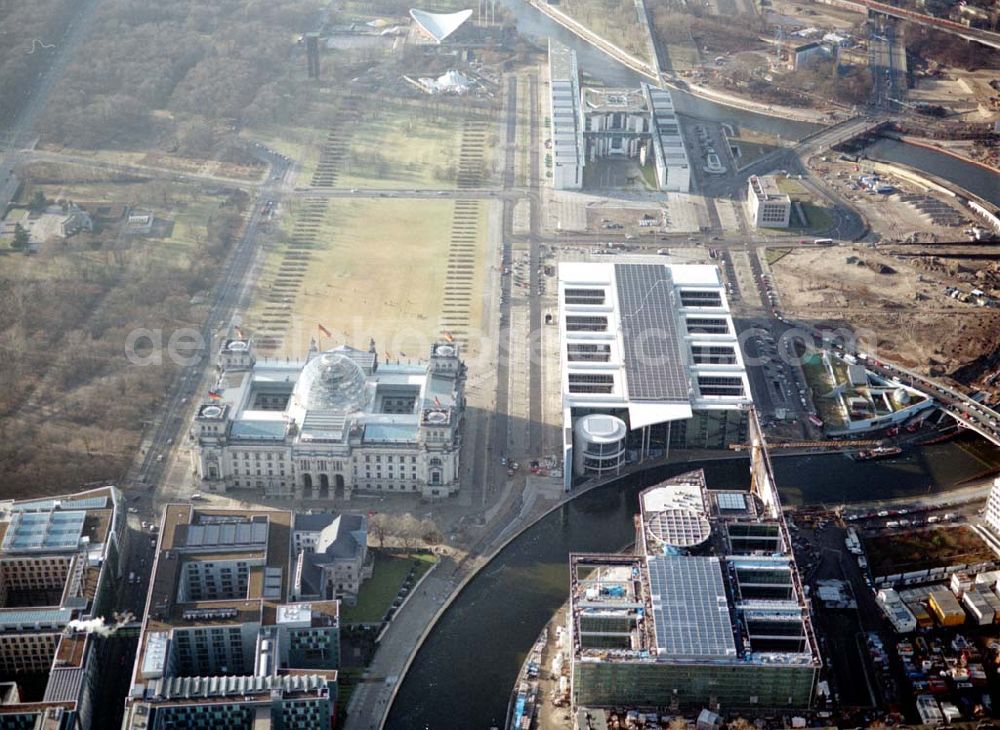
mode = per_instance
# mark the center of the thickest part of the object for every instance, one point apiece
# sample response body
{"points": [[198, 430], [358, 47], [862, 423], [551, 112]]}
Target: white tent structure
{"points": [[439, 25], [452, 82]]}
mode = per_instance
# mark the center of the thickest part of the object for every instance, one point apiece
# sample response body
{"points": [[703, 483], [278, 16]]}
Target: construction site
{"points": [[876, 289]]}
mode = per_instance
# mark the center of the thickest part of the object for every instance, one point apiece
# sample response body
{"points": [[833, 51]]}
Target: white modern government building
{"points": [[594, 123], [769, 207], [337, 422], [650, 360], [564, 112]]}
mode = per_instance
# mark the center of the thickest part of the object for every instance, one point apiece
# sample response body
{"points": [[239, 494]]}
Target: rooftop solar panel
{"points": [[690, 609], [41, 531], [732, 500], [227, 534], [654, 367], [44, 505]]}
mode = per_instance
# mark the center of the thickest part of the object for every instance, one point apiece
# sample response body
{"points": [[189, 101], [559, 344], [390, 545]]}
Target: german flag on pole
{"points": [[437, 401], [239, 332], [449, 336], [215, 395], [323, 330]]}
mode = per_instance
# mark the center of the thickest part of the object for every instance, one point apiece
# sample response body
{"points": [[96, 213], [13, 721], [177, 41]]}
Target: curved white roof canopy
{"points": [[440, 25]]}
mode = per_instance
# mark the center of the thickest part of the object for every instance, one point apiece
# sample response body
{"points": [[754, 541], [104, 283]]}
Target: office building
{"points": [[638, 124], [337, 422], [590, 124], [650, 360], [331, 556], [673, 171], [60, 561], [616, 123], [708, 612], [567, 150], [224, 643], [768, 206]]}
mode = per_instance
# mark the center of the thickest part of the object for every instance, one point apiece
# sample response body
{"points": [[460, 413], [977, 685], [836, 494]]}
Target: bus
{"points": [[815, 420], [823, 242]]}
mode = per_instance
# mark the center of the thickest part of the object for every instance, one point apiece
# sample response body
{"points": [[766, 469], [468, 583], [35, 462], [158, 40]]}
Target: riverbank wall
{"points": [[980, 208], [605, 46], [653, 73], [927, 144]]}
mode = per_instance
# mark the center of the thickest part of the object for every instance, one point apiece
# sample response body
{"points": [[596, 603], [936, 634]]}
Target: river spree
{"points": [[975, 179], [462, 676], [597, 65]]}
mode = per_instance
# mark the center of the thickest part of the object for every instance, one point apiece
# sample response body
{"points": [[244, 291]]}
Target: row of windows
{"points": [[591, 383], [692, 298], [257, 455], [586, 352], [584, 296], [718, 385], [21, 563], [586, 324], [719, 355], [707, 325], [390, 487], [249, 472], [321, 465], [377, 458], [591, 378], [249, 483], [402, 474]]}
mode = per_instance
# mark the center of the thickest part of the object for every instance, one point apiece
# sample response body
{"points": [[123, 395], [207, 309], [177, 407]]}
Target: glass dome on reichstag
{"points": [[332, 382]]}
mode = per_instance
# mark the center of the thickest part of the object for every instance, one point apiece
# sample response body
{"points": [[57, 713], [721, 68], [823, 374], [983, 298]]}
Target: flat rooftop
{"points": [[614, 100], [720, 587], [765, 188], [653, 365], [654, 339], [190, 534], [690, 608]]}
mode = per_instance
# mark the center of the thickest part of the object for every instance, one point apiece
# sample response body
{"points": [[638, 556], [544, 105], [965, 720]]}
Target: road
{"points": [[979, 417], [535, 427], [137, 169], [887, 62], [167, 173], [816, 143], [21, 132], [117, 653], [229, 294]]}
